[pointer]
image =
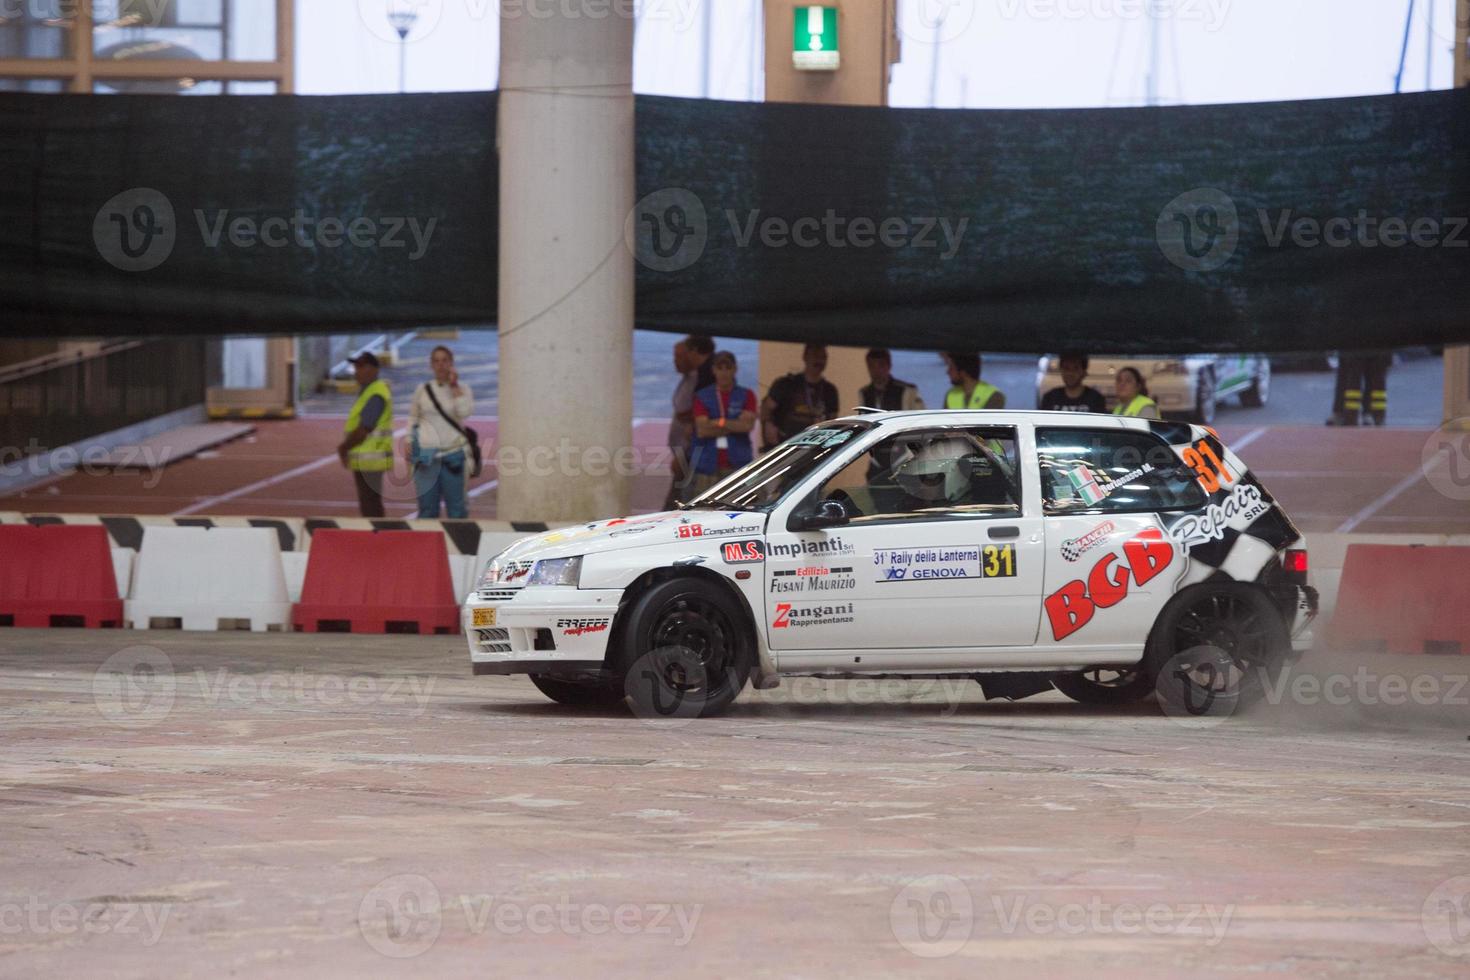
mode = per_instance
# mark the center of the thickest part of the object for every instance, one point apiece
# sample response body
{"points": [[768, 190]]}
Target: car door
{"points": [[1110, 563], [937, 551]]}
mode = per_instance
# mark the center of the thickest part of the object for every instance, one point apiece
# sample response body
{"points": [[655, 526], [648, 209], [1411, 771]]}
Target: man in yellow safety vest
{"points": [[367, 449], [969, 391]]}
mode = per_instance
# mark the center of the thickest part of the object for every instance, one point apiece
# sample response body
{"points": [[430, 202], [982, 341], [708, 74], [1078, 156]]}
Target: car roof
{"points": [[981, 416]]}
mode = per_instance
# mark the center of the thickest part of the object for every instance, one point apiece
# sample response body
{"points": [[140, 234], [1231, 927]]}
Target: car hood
{"points": [[637, 532]]}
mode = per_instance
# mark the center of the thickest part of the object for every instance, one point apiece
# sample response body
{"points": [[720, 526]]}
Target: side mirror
{"points": [[829, 514]]}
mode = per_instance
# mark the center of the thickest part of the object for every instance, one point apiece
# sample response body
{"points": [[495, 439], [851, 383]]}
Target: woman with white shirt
{"points": [[436, 448]]}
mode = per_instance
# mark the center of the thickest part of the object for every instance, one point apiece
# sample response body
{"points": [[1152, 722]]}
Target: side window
{"points": [[932, 473], [1102, 470]]}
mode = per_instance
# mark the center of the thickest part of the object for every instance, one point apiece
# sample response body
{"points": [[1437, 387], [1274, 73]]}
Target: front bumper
{"points": [[539, 629]]}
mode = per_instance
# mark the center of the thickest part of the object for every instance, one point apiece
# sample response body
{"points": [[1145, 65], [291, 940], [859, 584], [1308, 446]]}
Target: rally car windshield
{"points": [[762, 484]]}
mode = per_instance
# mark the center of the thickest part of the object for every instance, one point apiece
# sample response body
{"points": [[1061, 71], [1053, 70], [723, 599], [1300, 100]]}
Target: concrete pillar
{"points": [[1457, 358], [868, 43], [566, 279]]}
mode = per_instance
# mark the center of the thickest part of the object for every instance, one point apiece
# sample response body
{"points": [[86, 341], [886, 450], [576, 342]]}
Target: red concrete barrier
{"points": [[57, 575], [377, 582], [1403, 599]]}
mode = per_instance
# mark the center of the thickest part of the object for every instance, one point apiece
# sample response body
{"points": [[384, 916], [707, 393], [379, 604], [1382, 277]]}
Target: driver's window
{"points": [[932, 473]]}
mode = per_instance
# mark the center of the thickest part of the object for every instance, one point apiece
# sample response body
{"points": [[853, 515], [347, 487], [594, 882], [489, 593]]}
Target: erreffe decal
{"points": [[1073, 605]]}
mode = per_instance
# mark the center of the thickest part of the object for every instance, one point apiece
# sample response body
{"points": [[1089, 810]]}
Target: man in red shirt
{"points": [[724, 414]]}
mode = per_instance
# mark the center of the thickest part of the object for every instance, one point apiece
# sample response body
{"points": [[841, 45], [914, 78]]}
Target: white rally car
{"points": [[1100, 554]]}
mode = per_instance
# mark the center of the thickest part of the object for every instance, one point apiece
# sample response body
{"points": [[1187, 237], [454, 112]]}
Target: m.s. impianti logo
{"points": [[788, 615], [743, 552], [1073, 605]]}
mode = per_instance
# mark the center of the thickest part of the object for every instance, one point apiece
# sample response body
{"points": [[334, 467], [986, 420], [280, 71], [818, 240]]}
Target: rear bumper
{"points": [[1298, 605]]}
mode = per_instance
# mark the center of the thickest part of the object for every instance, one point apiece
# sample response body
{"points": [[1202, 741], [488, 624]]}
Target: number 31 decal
{"points": [[999, 561], [1207, 466]]}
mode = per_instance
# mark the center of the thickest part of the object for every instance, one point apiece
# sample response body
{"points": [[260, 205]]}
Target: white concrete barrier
{"points": [[122, 570], [462, 571], [293, 565], [208, 579]]}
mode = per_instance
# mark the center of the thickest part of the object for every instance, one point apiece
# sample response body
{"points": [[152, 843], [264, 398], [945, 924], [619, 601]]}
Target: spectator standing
{"points": [[1073, 395], [367, 448], [692, 361], [724, 414], [1361, 373], [798, 400], [969, 391], [1133, 399], [884, 390], [437, 446]]}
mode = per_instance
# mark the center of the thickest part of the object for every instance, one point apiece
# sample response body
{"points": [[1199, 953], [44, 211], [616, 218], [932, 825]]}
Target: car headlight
{"points": [[556, 571], [491, 575]]}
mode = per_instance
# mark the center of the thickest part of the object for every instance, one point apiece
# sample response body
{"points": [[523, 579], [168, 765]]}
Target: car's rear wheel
{"points": [[578, 694], [1260, 389], [1216, 648], [687, 650], [1204, 399], [1105, 685]]}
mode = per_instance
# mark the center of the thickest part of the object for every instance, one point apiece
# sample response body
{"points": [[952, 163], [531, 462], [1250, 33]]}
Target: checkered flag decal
{"points": [[1240, 552]]}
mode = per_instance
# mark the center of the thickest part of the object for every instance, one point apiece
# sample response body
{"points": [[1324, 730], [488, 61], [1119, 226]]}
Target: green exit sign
{"points": [[814, 45]]}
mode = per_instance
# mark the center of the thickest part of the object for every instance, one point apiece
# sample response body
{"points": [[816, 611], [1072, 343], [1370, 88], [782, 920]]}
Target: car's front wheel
{"points": [[578, 694], [1105, 685], [687, 650]]}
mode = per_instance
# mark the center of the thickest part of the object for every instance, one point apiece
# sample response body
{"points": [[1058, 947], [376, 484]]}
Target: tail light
{"points": [[1294, 563]]}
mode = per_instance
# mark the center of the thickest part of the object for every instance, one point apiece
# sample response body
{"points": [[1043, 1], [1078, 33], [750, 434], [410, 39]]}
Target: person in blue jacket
{"points": [[724, 414]]}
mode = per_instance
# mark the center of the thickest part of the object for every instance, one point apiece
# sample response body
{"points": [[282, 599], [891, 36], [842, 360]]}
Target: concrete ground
{"points": [[208, 804]]}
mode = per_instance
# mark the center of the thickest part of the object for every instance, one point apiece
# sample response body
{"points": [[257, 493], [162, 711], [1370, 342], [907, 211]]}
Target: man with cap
{"points": [[367, 448]]}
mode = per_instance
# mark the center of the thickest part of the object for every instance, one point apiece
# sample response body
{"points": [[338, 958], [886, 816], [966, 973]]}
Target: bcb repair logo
{"points": [[135, 231]]}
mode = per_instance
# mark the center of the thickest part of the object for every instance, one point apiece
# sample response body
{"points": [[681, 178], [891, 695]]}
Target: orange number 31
{"points": [[1212, 472]]}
